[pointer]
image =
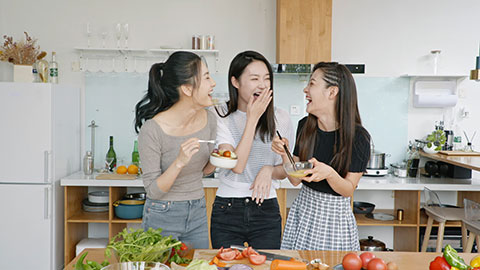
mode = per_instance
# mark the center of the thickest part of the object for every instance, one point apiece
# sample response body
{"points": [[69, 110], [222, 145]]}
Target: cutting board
{"points": [[115, 176], [459, 153], [208, 254]]}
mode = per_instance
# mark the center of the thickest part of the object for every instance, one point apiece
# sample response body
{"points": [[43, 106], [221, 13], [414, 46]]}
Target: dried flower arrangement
{"points": [[20, 53]]}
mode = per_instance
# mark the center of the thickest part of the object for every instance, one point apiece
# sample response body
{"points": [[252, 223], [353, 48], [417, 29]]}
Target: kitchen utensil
{"points": [[135, 196], [380, 216], [363, 207], [297, 169], [88, 206], [98, 196], [399, 169], [115, 176], [371, 244], [270, 256], [136, 266], [129, 209], [206, 141], [288, 152], [92, 138]]}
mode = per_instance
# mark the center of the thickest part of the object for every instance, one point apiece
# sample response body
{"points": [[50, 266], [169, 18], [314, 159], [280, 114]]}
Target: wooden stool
{"points": [[474, 228], [442, 215]]}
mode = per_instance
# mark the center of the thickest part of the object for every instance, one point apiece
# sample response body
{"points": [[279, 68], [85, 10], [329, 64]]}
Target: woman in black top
{"points": [[333, 139]]}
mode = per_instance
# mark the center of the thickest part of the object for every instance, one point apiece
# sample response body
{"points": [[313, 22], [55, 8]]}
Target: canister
{"points": [[400, 214], [210, 42], [195, 42], [88, 164]]}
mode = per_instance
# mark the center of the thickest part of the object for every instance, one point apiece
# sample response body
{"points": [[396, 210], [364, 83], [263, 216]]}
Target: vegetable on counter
{"points": [[89, 265], [439, 263], [451, 256]]}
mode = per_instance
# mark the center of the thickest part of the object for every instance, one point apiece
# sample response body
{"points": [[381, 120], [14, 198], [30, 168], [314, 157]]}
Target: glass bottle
{"points": [[53, 67], [88, 164], [135, 154], [413, 158], [111, 157]]}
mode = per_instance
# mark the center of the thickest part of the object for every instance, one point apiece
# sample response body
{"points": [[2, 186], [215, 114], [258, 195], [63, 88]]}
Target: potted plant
{"points": [[435, 140], [22, 54]]}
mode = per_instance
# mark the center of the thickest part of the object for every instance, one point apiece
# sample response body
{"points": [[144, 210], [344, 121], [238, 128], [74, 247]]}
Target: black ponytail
{"points": [[164, 80]]}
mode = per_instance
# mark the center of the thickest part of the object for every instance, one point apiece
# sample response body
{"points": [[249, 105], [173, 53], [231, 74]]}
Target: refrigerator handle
{"points": [[45, 211], [46, 166]]}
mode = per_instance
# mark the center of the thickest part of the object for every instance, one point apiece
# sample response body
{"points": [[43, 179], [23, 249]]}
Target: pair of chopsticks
{"points": [[288, 152]]}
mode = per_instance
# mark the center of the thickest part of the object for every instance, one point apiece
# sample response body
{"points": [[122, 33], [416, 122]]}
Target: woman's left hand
{"points": [[261, 186], [319, 172]]}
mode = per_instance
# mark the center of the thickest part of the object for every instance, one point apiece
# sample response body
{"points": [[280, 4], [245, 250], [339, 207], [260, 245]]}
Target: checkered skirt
{"points": [[320, 221]]}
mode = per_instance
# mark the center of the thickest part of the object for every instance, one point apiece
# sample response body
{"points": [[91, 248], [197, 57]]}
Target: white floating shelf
{"points": [[450, 76]]}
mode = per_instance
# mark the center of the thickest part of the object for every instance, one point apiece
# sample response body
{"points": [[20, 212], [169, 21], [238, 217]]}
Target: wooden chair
{"points": [[441, 214], [471, 222]]}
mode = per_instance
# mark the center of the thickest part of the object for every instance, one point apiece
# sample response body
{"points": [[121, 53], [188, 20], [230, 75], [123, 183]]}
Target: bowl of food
{"points": [[299, 170], [223, 159], [136, 266]]}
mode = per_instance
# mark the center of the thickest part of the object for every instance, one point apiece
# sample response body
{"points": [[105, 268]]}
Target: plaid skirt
{"points": [[320, 221]]}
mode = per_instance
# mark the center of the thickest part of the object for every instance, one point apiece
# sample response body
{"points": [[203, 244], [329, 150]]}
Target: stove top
{"points": [[376, 172]]}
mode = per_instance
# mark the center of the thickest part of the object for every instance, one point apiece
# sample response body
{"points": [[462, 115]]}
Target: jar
{"points": [[195, 42], [210, 42]]}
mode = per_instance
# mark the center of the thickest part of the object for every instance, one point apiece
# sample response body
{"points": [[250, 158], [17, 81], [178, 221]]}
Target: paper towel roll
{"points": [[434, 100]]}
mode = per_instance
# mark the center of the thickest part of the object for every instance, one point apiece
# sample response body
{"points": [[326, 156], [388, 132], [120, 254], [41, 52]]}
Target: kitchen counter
{"points": [[404, 260], [388, 182]]}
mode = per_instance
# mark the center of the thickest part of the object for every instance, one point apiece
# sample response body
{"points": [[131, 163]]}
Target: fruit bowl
{"points": [[155, 256], [301, 167], [136, 266], [223, 159]]}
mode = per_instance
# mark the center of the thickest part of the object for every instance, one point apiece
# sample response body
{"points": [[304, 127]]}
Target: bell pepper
{"points": [[439, 263], [453, 259]]}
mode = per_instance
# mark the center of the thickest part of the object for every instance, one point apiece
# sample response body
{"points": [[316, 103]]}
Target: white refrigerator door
{"points": [[26, 132], [25, 229]]}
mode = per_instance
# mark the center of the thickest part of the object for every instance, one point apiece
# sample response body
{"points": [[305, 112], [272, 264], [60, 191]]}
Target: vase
{"points": [[430, 150], [22, 73]]}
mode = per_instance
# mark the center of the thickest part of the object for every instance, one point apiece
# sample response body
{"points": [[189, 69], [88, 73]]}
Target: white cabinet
{"points": [[25, 228]]}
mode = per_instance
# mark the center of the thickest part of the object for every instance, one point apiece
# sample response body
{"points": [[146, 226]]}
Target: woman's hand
{"points": [[277, 145], [261, 185], [256, 107], [319, 172], [187, 149]]}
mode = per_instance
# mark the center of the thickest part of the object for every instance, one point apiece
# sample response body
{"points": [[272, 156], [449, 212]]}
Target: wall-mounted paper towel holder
{"points": [[435, 93]]}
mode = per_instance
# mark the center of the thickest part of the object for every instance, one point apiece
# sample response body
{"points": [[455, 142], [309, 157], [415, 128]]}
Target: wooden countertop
{"points": [[469, 162], [404, 260]]}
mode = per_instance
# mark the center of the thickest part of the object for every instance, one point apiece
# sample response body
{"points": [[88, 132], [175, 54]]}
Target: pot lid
{"points": [[370, 242]]}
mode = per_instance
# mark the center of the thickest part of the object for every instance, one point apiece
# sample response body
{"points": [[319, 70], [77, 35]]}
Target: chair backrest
{"points": [[472, 209], [431, 197]]}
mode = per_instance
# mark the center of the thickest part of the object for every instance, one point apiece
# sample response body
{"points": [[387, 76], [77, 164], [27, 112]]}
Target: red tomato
{"points": [[257, 259], [366, 257], [227, 255], [376, 264], [245, 252], [239, 255], [227, 153], [183, 247], [351, 261]]}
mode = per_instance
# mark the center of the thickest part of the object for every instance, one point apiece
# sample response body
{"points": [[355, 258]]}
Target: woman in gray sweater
{"points": [[170, 120]]}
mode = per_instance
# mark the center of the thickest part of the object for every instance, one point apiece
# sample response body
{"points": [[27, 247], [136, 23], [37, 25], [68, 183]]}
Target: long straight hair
{"points": [[164, 81], [347, 117], [266, 124]]}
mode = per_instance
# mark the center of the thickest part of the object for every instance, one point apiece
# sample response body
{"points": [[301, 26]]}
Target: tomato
{"points": [[227, 255], [257, 259], [239, 255], [376, 264], [227, 153], [183, 247], [351, 261], [245, 252], [366, 257]]}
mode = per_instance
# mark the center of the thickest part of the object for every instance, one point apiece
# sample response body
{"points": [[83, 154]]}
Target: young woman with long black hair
{"points": [[333, 139], [170, 119], [246, 208]]}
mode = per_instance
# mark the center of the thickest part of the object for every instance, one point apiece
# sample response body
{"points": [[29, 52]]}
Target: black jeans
{"points": [[238, 220]]}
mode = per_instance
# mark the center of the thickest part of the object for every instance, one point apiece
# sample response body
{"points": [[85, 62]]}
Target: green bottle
{"points": [[111, 157], [135, 154]]}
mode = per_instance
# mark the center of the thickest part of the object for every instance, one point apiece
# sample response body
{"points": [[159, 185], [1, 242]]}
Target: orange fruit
{"points": [[132, 169], [121, 169]]}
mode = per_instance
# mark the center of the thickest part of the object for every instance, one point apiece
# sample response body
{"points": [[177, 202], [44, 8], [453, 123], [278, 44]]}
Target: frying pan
{"points": [[363, 207]]}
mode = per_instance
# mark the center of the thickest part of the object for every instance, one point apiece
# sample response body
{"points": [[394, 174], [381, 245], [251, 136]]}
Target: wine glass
{"points": [[118, 33], [125, 34], [108, 163]]}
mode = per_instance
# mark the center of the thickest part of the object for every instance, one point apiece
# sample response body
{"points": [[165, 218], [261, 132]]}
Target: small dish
{"points": [[98, 196], [300, 167]]}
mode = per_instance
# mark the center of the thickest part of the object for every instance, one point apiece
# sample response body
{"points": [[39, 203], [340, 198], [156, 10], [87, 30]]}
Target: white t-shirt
{"points": [[229, 131]]}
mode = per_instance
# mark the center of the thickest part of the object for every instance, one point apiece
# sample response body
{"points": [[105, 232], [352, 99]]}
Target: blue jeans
{"points": [[238, 220], [183, 220]]}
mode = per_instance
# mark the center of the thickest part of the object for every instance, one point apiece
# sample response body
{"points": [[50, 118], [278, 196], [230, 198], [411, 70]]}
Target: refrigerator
{"points": [[39, 144]]}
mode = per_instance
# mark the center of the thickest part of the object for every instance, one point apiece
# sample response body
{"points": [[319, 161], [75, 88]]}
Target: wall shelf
{"points": [[95, 59]]}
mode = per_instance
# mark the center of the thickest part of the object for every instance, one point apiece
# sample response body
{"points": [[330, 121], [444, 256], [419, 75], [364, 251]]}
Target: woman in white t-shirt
{"points": [[246, 207]]}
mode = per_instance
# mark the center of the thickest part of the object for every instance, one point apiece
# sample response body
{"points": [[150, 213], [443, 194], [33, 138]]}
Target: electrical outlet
{"points": [[294, 110], [76, 66]]}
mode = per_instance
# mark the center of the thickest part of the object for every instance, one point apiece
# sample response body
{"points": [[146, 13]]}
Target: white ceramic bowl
{"points": [[223, 162], [300, 166], [98, 196]]}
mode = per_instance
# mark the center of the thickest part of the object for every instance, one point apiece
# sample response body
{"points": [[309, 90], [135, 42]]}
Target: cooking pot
{"points": [[377, 160], [135, 196], [371, 244], [129, 209]]}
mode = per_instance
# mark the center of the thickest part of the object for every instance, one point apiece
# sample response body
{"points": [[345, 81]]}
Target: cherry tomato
{"points": [[366, 257], [257, 259], [351, 261], [227, 153], [183, 247], [376, 264]]}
